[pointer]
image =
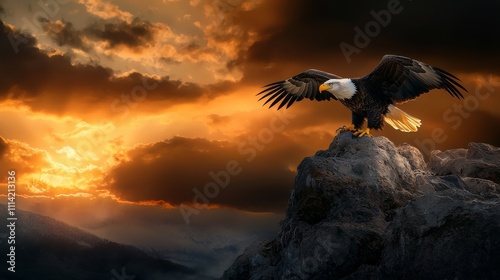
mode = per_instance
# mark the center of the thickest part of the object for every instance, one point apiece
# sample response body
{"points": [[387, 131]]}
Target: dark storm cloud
{"points": [[134, 35], [20, 157], [172, 169], [458, 37], [3, 147], [50, 83], [170, 60], [63, 33], [461, 36]]}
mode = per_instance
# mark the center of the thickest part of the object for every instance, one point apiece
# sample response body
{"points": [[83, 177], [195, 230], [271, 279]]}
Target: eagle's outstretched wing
{"points": [[298, 87], [401, 79]]}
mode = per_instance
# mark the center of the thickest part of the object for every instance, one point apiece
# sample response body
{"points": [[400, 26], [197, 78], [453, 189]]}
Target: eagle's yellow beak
{"points": [[324, 87]]}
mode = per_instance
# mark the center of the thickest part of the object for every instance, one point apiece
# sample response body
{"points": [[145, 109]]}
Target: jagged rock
{"points": [[478, 161], [365, 209]]}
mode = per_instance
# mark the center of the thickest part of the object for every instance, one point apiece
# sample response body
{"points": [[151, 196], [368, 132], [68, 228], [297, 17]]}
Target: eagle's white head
{"points": [[340, 88]]}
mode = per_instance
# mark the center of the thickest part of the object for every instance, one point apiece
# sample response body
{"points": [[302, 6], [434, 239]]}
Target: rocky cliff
{"points": [[365, 209]]}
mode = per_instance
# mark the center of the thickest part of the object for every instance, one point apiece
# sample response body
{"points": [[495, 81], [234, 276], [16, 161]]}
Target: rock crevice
{"points": [[366, 209]]}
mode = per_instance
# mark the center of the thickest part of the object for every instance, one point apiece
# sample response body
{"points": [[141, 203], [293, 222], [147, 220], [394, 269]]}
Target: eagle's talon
{"points": [[361, 133], [345, 128], [399, 78]]}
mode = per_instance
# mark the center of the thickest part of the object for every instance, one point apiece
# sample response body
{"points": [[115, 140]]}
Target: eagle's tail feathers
{"points": [[400, 120]]}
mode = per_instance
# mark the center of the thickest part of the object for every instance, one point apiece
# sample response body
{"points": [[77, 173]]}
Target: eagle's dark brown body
{"points": [[396, 79], [364, 105]]}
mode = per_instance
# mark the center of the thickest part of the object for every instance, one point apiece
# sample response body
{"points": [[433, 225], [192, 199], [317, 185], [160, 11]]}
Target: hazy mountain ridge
{"points": [[366, 209], [50, 249]]}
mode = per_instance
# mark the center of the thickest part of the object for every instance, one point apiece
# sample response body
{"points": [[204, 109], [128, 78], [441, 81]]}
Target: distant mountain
{"points": [[47, 249]]}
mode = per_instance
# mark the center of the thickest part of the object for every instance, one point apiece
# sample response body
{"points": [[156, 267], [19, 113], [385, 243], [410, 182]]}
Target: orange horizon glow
{"points": [[125, 92], [74, 157]]}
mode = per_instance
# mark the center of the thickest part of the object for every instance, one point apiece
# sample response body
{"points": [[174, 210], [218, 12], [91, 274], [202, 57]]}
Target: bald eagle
{"points": [[396, 79]]}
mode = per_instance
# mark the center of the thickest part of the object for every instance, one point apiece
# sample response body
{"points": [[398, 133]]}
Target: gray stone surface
{"points": [[365, 209]]}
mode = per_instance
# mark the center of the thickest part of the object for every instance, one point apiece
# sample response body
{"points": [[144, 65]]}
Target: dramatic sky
{"points": [[117, 115]]}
